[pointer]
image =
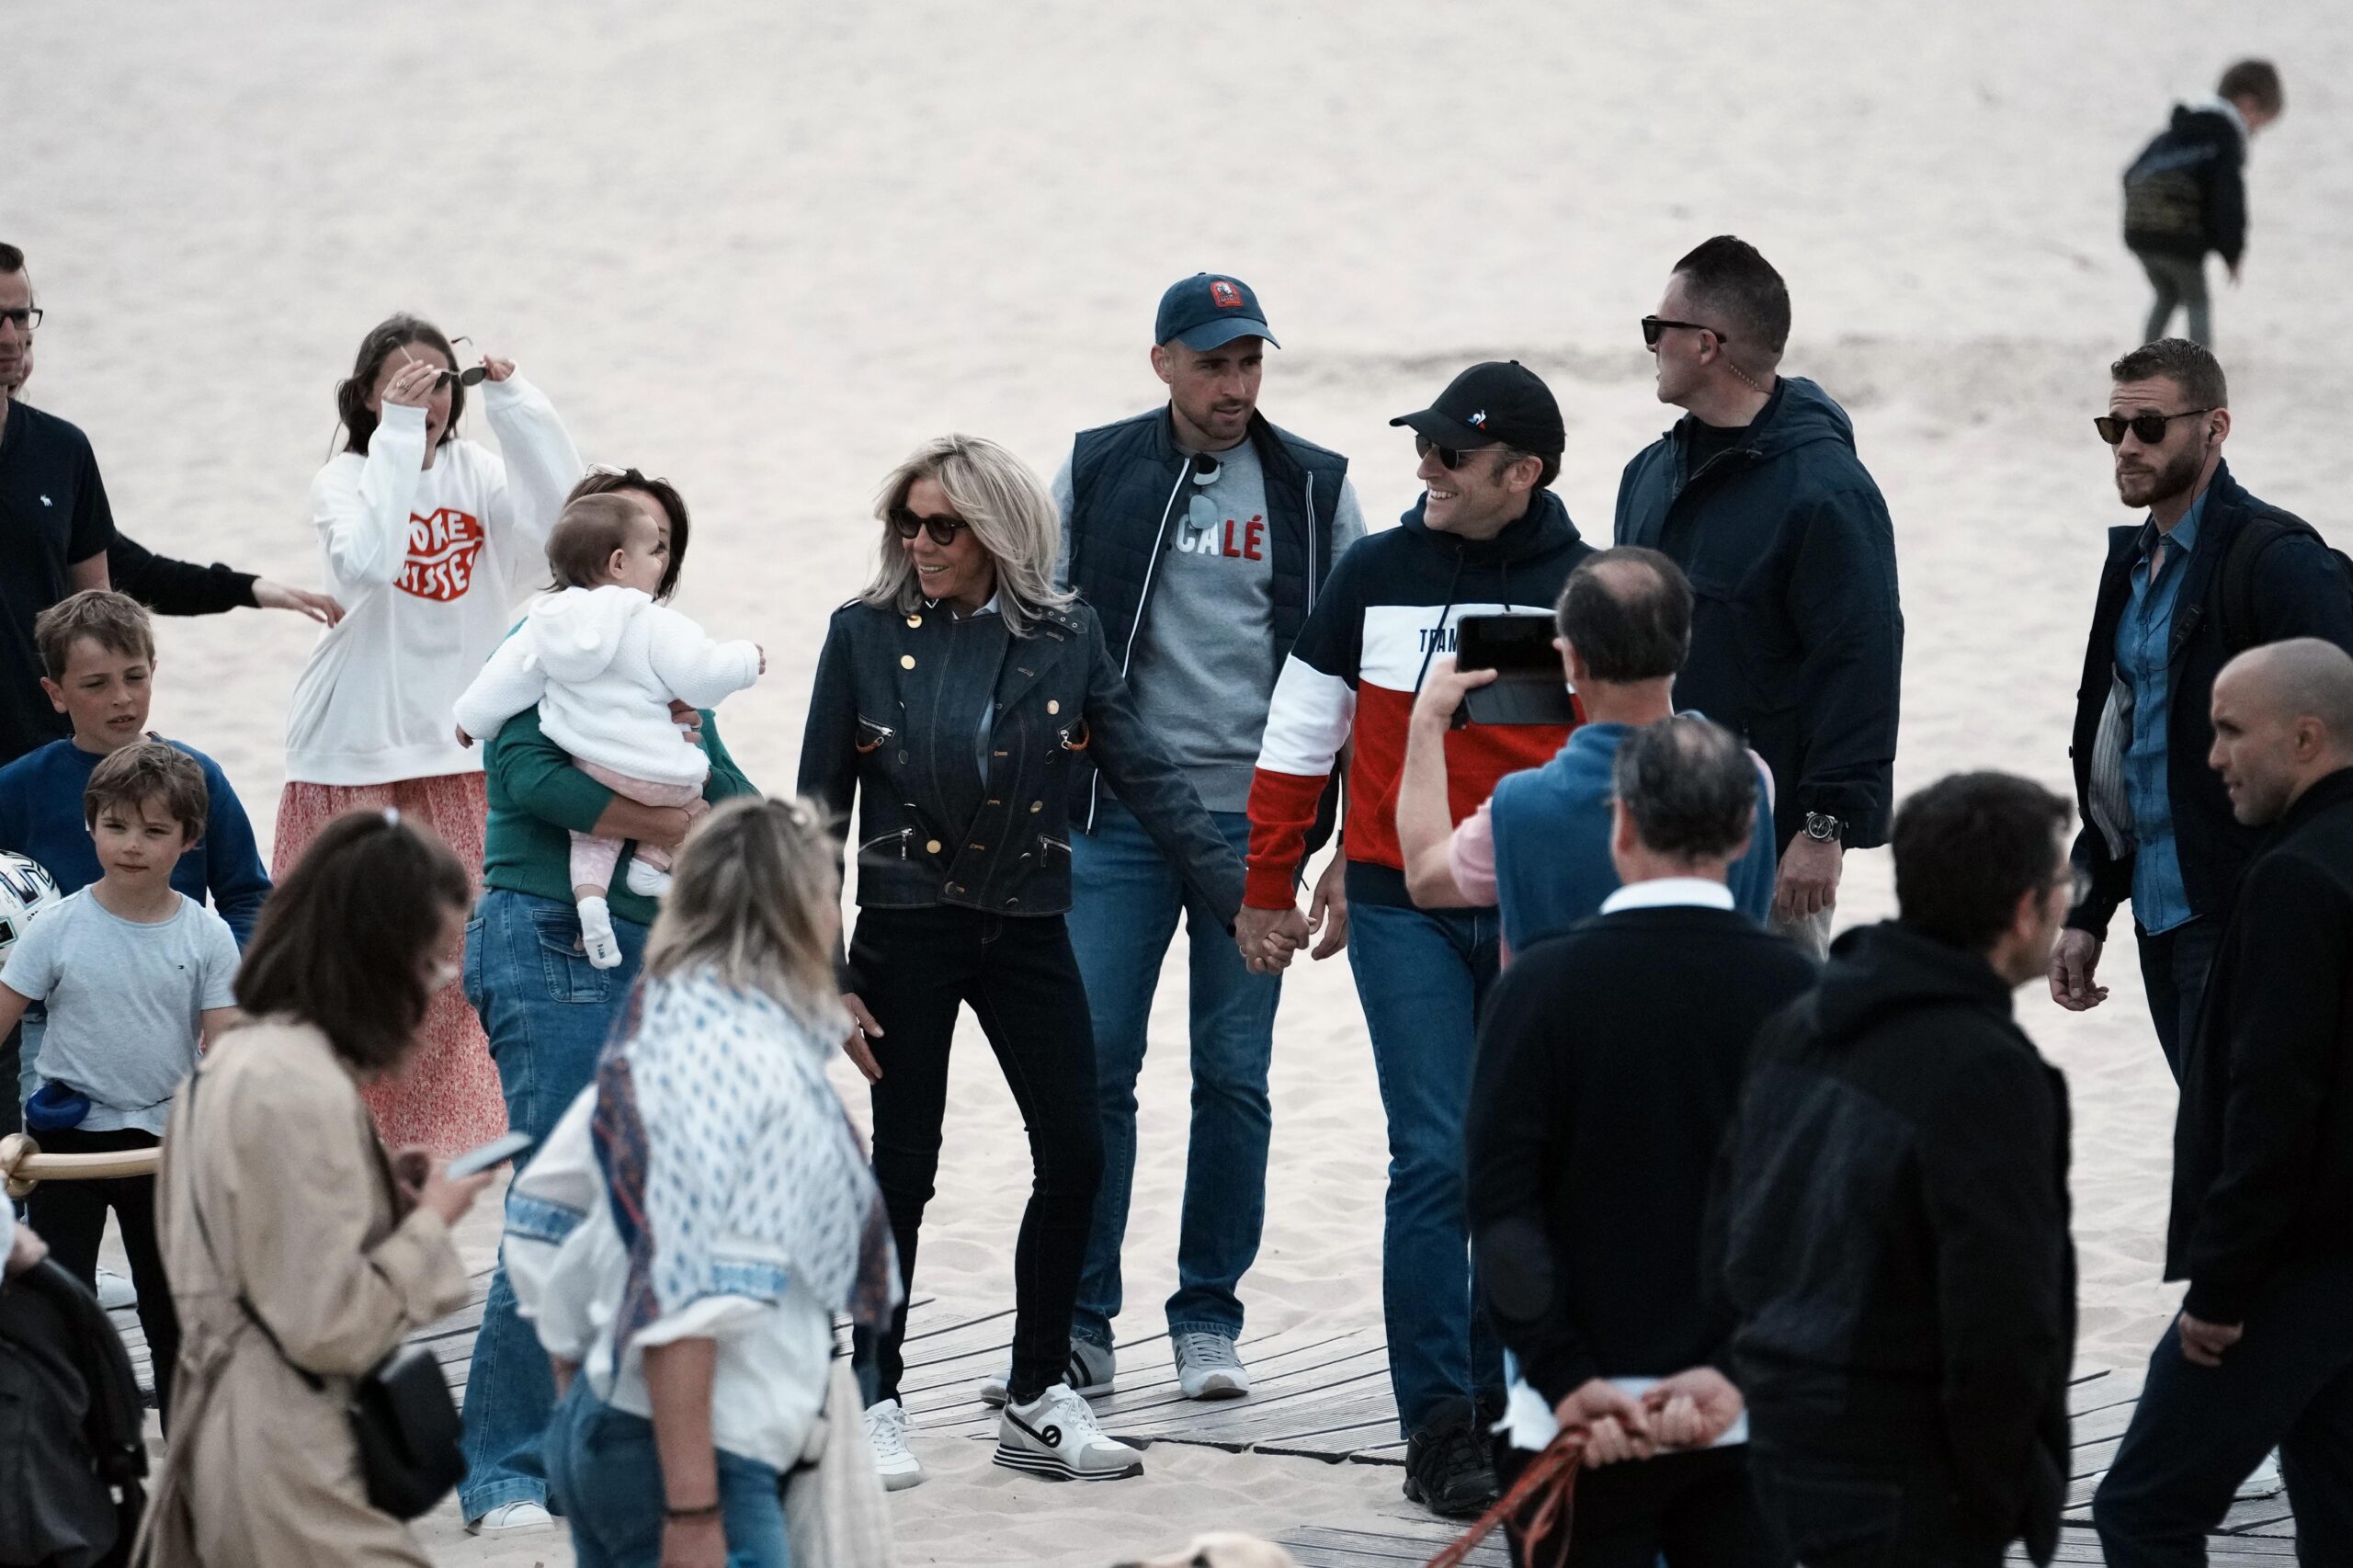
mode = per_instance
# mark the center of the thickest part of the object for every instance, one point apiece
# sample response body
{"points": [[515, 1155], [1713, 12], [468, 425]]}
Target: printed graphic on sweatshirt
{"points": [[442, 550], [1205, 530]]}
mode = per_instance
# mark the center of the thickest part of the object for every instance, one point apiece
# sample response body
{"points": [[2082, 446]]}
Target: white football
{"points": [[24, 891]]}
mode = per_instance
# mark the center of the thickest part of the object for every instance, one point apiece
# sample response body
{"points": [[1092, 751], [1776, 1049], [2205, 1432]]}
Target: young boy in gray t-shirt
{"points": [[135, 973]]}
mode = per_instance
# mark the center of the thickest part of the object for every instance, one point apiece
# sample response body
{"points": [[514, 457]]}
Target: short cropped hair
{"points": [[11, 258], [2189, 366], [1739, 286], [116, 622], [1627, 614], [2254, 79], [342, 943], [1968, 847], [586, 535], [144, 771], [1551, 471], [1690, 785]]}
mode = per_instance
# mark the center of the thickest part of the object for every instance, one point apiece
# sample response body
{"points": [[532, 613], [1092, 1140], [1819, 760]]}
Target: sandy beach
{"points": [[764, 250]]}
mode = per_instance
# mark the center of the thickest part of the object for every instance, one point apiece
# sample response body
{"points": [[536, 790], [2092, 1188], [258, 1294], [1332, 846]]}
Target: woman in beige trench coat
{"points": [[341, 1250]]}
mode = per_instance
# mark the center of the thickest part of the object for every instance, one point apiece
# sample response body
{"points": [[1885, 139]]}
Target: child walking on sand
{"points": [[603, 662]]}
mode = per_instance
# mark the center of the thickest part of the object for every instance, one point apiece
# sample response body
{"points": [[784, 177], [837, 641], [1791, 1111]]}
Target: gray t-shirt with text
{"points": [[1201, 673]]}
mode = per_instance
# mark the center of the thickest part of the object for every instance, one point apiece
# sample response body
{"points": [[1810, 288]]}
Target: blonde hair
{"points": [[748, 896], [1008, 510]]}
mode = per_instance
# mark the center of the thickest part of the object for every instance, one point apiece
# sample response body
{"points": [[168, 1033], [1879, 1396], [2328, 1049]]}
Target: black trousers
{"points": [[71, 1216], [917, 968], [2198, 1430], [1690, 1510], [1837, 1513]]}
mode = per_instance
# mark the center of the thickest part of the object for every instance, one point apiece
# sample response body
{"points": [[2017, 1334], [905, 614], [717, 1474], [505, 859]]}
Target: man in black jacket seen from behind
{"points": [[1797, 638], [1894, 1211], [2262, 1222], [1608, 1068]]}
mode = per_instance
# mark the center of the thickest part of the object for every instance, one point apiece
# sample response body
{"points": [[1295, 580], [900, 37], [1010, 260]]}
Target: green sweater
{"points": [[538, 800]]}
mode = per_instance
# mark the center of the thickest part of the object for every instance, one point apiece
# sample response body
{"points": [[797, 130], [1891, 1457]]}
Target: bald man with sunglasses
{"points": [[2208, 572]]}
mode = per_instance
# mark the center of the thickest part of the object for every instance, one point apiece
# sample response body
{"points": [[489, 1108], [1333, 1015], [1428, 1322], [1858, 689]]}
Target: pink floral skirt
{"points": [[447, 1098]]}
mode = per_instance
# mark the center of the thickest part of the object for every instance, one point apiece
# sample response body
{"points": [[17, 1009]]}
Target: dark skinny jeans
{"points": [[915, 968], [71, 1216]]}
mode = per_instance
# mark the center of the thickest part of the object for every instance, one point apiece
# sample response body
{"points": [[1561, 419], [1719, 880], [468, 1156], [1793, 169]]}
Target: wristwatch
{"points": [[1824, 828]]}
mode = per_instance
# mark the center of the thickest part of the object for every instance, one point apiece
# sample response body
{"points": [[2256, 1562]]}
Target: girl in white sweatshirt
{"points": [[603, 662], [431, 541]]}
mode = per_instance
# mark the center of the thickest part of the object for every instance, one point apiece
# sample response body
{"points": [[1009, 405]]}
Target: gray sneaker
{"points": [[1088, 1374], [1208, 1368]]}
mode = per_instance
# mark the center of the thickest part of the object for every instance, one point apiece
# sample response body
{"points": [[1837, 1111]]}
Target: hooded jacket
{"points": [[603, 665], [2186, 194], [1797, 634], [1391, 607], [1892, 1211]]}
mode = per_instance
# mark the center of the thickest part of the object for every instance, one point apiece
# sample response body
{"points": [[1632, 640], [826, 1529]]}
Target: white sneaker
{"points": [[2264, 1481], [1208, 1368], [1055, 1434], [115, 1293], [650, 881], [596, 934], [511, 1518], [1090, 1371], [886, 1433]]}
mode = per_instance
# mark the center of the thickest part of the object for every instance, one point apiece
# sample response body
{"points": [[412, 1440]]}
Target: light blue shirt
{"points": [[2144, 638]]}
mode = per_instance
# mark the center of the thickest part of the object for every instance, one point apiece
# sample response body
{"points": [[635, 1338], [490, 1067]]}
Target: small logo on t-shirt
{"points": [[47, 502], [441, 553], [1224, 295]]}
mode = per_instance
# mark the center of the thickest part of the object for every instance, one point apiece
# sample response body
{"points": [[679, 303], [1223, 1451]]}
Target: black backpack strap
{"points": [[2256, 535]]}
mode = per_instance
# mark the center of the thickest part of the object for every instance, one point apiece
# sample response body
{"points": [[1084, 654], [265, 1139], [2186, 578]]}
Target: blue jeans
{"points": [[1125, 900], [1422, 976], [546, 1012], [2174, 967], [605, 1471]]}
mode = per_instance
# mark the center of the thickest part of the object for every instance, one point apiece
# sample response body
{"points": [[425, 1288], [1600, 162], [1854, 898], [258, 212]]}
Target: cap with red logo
{"points": [[1207, 310], [1499, 402]]}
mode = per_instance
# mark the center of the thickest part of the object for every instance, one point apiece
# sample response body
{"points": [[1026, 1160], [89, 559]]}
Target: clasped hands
{"points": [[1271, 938], [1689, 1410]]}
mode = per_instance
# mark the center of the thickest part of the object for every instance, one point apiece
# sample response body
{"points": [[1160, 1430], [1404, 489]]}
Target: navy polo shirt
{"points": [[53, 512]]}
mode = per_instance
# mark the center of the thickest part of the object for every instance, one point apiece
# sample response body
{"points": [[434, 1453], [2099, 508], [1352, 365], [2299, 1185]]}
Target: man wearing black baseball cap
{"points": [[1202, 535], [1488, 537]]}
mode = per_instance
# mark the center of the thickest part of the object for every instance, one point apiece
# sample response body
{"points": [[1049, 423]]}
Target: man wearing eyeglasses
{"points": [[1202, 535], [57, 535], [2209, 572], [1797, 639]]}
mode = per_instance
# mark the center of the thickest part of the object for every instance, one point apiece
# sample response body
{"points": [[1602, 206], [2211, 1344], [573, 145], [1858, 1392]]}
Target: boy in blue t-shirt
{"points": [[99, 648], [135, 973]]}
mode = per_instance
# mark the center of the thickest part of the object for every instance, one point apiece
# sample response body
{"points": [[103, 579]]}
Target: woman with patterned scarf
{"points": [[686, 1234]]}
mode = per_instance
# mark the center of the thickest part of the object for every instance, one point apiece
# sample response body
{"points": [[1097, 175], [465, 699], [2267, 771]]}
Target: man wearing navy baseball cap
{"points": [[1202, 535], [1487, 537]]}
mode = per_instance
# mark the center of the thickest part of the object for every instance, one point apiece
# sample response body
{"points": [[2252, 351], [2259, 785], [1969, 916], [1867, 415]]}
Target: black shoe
{"points": [[1447, 1465]]}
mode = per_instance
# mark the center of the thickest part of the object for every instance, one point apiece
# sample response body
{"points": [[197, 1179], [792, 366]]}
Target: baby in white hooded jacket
{"points": [[603, 662]]}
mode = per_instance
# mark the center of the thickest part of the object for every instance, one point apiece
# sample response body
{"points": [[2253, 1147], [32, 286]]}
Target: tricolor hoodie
{"points": [[1389, 611]]}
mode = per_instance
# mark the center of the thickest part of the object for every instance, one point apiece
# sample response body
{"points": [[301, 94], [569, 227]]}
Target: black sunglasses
{"points": [[25, 320], [2148, 429], [943, 530], [471, 376], [1653, 325], [1450, 457]]}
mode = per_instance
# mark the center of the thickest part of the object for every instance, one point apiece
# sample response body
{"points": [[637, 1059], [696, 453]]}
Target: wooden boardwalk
{"points": [[1324, 1394]]}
